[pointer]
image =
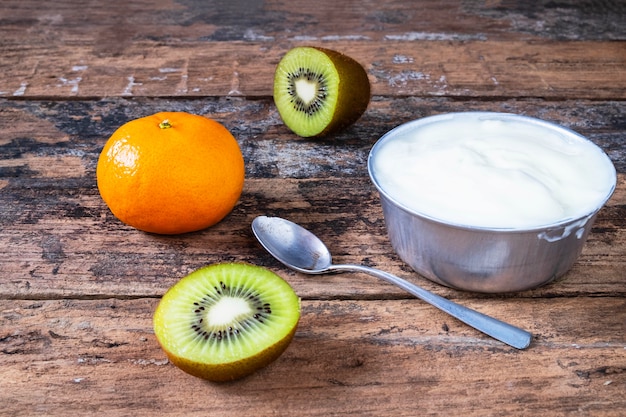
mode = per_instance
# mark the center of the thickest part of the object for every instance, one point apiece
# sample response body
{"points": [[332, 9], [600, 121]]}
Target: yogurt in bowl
{"points": [[489, 202]]}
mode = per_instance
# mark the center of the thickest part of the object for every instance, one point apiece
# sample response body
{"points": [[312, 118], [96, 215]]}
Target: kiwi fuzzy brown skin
{"points": [[353, 94], [354, 91], [186, 329]]}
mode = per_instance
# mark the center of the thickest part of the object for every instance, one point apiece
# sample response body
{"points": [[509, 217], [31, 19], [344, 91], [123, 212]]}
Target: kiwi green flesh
{"points": [[318, 91], [225, 321]]}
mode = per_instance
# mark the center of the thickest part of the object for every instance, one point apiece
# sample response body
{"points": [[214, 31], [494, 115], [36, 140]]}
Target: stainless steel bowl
{"points": [[483, 259]]}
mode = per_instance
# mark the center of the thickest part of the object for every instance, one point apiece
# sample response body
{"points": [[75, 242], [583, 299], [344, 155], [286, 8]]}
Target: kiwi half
{"points": [[225, 321], [318, 91]]}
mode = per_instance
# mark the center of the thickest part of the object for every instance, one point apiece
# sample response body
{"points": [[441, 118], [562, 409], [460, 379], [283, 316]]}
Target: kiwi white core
{"points": [[228, 310], [307, 91]]}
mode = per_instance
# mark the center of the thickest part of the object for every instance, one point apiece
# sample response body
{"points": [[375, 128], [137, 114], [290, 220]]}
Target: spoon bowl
{"points": [[292, 245], [302, 251]]}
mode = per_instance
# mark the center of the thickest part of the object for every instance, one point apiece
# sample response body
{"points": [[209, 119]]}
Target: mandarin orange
{"points": [[171, 173]]}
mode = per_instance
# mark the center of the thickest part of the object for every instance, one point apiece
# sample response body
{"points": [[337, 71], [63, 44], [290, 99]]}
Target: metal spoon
{"points": [[304, 252]]}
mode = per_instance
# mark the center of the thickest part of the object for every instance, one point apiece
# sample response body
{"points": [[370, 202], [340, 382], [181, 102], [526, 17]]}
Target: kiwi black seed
{"points": [[318, 91], [225, 321]]}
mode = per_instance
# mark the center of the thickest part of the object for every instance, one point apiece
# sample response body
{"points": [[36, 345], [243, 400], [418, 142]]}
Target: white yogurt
{"points": [[492, 170]]}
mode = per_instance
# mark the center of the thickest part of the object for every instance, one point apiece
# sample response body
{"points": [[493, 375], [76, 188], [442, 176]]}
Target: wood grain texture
{"points": [[396, 68], [69, 244], [218, 48], [348, 358], [78, 288]]}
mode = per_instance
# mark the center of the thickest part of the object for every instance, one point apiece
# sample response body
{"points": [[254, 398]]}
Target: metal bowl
{"points": [[478, 258]]}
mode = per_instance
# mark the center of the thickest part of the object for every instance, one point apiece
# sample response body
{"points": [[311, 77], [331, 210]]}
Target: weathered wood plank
{"points": [[50, 129], [60, 240], [148, 68], [215, 48], [77, 249], [110, 27], [373, 358]]}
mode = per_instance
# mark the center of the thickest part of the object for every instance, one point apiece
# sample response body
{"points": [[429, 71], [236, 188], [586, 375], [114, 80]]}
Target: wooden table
{"points": [[78, 288]]}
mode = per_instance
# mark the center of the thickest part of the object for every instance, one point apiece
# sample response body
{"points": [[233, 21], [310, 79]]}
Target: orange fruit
{"points": [[171, 173]]}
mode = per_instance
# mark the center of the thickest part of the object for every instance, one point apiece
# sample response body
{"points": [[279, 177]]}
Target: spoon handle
{"points": [[497, 329]]}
